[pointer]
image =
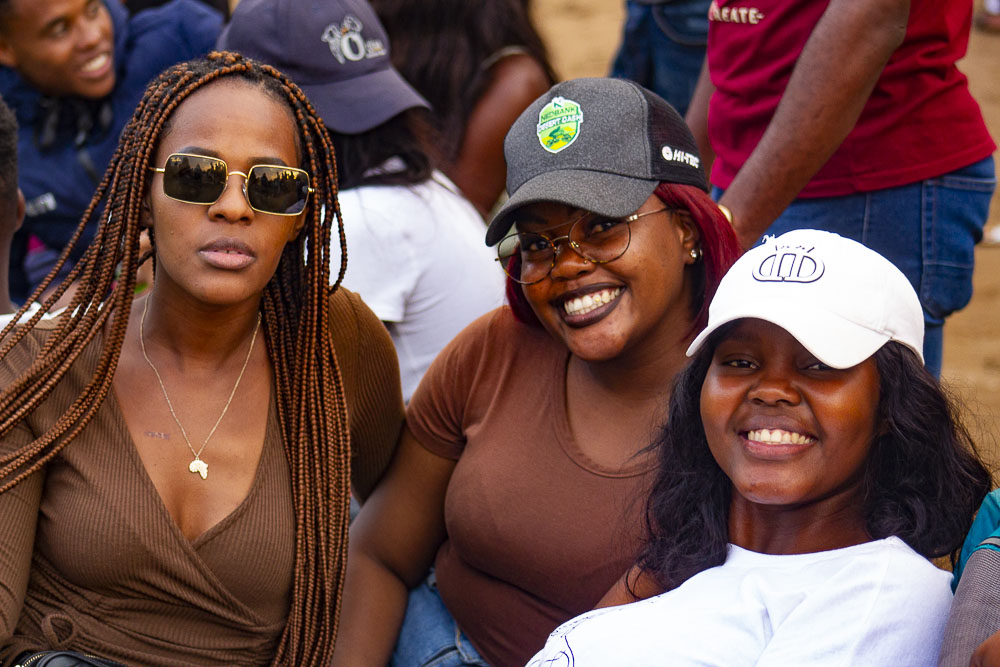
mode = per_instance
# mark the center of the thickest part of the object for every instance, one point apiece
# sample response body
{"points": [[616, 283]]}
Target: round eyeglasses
{"points": [[593, 237]]}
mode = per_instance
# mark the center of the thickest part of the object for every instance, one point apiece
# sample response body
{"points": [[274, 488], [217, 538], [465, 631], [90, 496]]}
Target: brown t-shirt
{"points": [[537, 532], [90, 558]]}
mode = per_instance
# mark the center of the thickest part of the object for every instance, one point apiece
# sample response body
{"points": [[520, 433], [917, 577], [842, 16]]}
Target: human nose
{"points": [[90, 33], [774, 386], [566, 261], [232, 205]]}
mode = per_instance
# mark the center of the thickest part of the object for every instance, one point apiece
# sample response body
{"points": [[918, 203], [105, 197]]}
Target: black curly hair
{"points": [[922, 483]]}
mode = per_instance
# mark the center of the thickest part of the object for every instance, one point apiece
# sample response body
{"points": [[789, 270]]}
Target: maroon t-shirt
{"points": [[920, 121], [537, 531]]}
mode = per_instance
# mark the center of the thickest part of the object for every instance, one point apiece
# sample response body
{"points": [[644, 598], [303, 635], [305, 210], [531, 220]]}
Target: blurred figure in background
{"points": [[479, 64], [73, 72], [11, 204], [416, 252], [663, 47]]}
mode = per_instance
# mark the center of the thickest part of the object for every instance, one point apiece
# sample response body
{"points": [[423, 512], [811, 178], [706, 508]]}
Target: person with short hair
{"points": [[809, 468], [524, 443], [73, 72]]}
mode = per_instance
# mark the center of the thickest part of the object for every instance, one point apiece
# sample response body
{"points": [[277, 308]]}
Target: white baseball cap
{"points": [[841, 300]]}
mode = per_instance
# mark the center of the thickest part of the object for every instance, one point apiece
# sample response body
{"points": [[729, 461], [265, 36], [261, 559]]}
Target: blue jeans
{"points": [[927, 229], [663, 48], [429, 636]]}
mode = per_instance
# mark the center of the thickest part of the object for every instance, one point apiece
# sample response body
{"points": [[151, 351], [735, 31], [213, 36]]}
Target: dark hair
{"points": [[923, 478], [717, 241], [296, 328], [8, 165], [405, 136], [440, 48]]}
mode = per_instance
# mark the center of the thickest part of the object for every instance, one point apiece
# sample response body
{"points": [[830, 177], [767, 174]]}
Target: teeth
{"points": [[584, 304], [95, 63], [778, 436]]}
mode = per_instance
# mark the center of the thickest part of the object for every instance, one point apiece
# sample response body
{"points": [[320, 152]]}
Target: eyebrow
{"points": [[255, 160], [50, 25]]}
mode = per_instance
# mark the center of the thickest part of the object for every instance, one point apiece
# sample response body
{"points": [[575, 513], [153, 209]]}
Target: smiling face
{"points": [[63, 47], [224, 252], [601, 311], [786, 429]]}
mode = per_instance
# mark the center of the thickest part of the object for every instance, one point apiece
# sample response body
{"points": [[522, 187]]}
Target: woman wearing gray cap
{"points": [[810, 468], [414, 242], [518, 473]]}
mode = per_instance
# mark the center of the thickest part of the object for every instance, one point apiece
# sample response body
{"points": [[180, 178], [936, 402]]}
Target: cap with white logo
{"points": [[841, 300], [602, 145], [336, 50]]}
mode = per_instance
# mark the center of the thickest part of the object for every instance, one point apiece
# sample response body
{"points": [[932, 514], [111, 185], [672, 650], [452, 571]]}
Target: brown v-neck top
{"points": [[90, 558]]}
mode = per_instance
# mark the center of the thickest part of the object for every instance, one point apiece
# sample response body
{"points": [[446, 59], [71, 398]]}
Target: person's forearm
{"points": [[697, 118], [828, 89], [374, 603]]}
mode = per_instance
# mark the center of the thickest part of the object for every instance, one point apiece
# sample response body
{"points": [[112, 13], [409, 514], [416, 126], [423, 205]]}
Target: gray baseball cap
{"points": [[335, 50], [602, 145]]}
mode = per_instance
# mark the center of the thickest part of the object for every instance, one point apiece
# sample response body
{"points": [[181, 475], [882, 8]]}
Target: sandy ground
{"points": [[582, 35]]}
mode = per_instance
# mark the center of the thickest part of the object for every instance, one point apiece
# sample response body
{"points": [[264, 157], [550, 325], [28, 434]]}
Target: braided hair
{"points": [[310, 397]]}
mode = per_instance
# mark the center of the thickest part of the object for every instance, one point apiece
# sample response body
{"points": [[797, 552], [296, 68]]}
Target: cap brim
{"points": [[356, 105], [835, 341], [597, 191]]}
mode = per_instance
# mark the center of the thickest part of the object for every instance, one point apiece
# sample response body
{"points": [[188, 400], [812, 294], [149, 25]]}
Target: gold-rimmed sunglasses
{"points": [[268, 188], [595, 238]]}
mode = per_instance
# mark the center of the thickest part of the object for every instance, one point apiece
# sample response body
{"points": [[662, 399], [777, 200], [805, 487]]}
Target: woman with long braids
{"points": [[175, 476]]}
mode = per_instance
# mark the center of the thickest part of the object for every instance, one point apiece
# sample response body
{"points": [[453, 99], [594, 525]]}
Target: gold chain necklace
{"points": [[197, 465]]}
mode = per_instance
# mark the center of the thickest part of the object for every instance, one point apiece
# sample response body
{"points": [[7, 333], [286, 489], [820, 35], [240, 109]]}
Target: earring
{"points": [[695, 253]]}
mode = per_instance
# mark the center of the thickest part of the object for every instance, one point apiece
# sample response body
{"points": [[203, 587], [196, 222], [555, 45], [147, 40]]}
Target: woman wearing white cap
{"points": [[809, 468], [520, 474]]}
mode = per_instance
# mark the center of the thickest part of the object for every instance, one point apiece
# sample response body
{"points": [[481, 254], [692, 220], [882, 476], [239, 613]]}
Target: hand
{"points": [[988, 653]]}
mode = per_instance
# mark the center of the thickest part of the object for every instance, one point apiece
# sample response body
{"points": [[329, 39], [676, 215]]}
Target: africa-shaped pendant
{"points": [[199, 467]]}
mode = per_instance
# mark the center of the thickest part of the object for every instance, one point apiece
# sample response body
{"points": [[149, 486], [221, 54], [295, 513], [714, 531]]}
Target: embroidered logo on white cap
{"points": [[347, 44], [789, 265]]}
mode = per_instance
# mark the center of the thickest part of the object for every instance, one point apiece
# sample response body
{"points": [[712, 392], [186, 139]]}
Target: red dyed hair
{"points": [[718, 243]]}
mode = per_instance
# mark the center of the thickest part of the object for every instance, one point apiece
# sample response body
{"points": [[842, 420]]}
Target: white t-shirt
{"points": [[879, 604], [5, 318], [417, 256]]}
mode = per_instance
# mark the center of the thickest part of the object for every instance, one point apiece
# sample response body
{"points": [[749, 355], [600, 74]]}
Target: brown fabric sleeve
{"points": [[19, 508], [370, 372], [436, 412]]}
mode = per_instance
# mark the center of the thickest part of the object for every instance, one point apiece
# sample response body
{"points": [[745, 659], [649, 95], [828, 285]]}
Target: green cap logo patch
{"points": [[559, 124]]}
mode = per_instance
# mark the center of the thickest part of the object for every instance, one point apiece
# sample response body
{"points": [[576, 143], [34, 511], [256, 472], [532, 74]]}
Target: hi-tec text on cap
{"points": [[677, 155]]}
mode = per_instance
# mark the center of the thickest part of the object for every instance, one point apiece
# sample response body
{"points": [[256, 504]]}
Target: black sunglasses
{"points": [[269, 188]]}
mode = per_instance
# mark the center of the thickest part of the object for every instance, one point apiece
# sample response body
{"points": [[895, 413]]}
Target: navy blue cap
{"points": [[335, 50]]}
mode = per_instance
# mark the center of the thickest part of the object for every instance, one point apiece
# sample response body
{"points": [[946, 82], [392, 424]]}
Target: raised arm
{"points": [[392, 545], [832, 80]]}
